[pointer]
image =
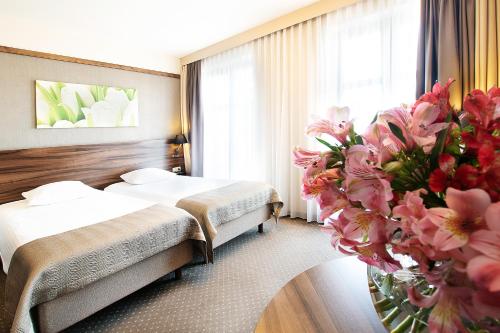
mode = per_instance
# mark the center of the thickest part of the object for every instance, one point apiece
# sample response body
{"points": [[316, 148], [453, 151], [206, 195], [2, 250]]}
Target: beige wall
{"points": [[159, 106], [303, 14]]}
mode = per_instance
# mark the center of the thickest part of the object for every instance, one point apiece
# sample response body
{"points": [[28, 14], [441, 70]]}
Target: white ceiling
{"points": [[171, 27]]}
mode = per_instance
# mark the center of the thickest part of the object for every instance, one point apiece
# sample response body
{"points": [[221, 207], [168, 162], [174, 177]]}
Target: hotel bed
{"points": [[105, 229], [225, 209], [67, 260]]}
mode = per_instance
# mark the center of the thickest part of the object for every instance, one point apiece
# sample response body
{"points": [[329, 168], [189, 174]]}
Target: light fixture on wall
{"points": [[179, 139]]}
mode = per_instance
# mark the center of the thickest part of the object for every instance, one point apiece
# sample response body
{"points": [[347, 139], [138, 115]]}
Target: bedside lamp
{"points": [[180, 139]]}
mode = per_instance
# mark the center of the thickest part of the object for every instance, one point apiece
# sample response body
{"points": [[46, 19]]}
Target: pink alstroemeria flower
{"points": [[362, 162], [374, 194], [487, 303], [423, 128], [337, 125], [439, 96], [462, 217], [314, 170], [330, 202], [419, 128], [303, 157], [315, 187], [377, 255], [410, 210], [372, 224], [449, 303], [485, 272], [343, 234], [376, 135]]}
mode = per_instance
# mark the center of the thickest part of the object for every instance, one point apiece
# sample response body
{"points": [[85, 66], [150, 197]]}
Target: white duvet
{"points": [[21, 223], [168, 191]]}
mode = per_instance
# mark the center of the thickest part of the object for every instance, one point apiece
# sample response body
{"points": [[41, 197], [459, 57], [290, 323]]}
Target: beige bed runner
{"points": [[46, 268], [215, 207]]}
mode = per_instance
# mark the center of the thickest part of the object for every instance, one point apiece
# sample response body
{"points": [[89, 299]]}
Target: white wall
{"points": [[30, 35]]}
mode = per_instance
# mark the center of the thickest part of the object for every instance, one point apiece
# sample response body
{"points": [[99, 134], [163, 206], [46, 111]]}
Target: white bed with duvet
{"points": [[224, 208], [168, 190], [66, 242], [21, 223]]}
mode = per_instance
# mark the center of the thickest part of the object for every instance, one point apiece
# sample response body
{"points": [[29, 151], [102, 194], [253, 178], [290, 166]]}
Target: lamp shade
{"points": [[180, 139]]}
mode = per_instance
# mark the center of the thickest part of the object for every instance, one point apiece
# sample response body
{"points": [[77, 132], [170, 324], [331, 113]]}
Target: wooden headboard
{"points": [[96, 165]]}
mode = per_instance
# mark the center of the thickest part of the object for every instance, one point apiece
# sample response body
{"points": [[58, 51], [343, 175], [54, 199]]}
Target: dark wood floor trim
{"points": [[43, 55]]}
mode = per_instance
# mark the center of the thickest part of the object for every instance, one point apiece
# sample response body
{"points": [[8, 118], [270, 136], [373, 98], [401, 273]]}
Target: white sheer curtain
{"points": [[369, 57], [258, 98], [231, 116]]}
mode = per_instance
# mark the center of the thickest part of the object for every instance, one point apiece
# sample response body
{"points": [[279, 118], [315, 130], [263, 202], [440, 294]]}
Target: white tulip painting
{"points": [[69, 105]]}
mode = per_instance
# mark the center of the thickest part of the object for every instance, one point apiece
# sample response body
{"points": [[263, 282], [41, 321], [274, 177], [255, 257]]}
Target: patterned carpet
{"points": [[227, 296]]}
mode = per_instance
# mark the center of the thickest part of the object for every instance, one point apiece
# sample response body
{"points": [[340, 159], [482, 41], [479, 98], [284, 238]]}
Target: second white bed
{"points": [[168, 191], [252, 202]]}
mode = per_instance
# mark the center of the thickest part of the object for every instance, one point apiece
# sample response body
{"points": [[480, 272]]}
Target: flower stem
{"points": [[391, 316], [403, 326], [383, 305]]}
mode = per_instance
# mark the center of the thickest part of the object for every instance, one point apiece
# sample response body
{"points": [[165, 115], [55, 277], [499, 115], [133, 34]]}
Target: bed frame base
{"points": [[234, 228], [64, 311], [178, 274]]}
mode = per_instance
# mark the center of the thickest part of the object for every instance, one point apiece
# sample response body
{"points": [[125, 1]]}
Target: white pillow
{"points": [[52, 193], [146, 175]]}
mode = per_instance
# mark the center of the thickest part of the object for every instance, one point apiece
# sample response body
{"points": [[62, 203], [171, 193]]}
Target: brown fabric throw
{"points": [[216, 207], [46, 268], [446, 47]]}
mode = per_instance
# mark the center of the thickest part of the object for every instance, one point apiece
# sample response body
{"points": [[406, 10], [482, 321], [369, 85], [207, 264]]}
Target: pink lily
{"points": [[373, 225], [423, 128], [447, 302], [410, 210], [400, 117], [374, 194], [331, 201], [314, 170], [462, 217], [439, 96], [361, 162], [376, 135], [485, 272], [315, 187], [487, 303], [303, 157], [377, 255], [338, 125], [343, 234]]}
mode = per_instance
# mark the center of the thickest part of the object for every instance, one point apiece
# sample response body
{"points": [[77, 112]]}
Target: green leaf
{"points": [[81, 104], [359, 139], [453, 149], [98, 92], [130, 93], [397, 132], [332, 147], [47, 96], [56, 90], [68, 113]]}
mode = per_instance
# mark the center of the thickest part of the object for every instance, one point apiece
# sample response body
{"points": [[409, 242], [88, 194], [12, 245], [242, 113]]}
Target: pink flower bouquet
{"points": [[423, 181]]}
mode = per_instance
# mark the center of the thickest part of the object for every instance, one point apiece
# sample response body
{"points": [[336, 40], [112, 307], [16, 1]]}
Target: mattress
{"points": [[21, 223], [169, 191]]}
